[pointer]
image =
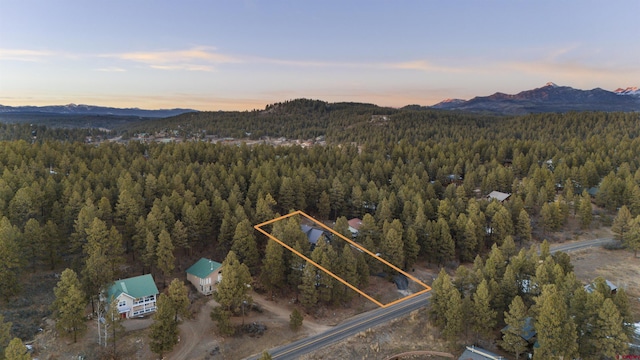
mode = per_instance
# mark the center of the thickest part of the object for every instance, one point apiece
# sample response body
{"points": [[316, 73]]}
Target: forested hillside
{"points": [[414, 175]]}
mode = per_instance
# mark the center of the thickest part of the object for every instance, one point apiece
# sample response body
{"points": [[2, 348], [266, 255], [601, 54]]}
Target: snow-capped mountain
{"points": [[549, 98], [628, 91]]}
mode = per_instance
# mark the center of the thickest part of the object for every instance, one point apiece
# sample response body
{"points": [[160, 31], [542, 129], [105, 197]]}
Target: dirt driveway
{"points": [[198, 337]]}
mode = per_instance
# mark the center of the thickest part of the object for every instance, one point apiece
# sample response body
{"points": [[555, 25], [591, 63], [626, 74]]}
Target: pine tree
{"points": [[523, 227], [621, 300], [180, 237], [16, 351], [178, 296], [233, 289], [508, 286], [164, 330], [273, 268], [469, 243], [446, 247], [96, 273], [227, 230], [621, 223], [244, 245], [295, 320], [324, 282], [308, 290], [441, 291], [95, 277], [349, 271], [114, 250], [585, 316], [609, 332], [634, 201], [411, 248], [5, 334], [342, 227], [10, 259], [149, 256], [454, 316], [513, 339], [632, 237], [484, 317], [549, 217], [286, 195], [419, 225], [296, 267], [585, 210], [495, 265], [51, 244], [114, 327], [264, 208], [501, 225], [164, 254], [369, 229], [69, 305], [222, 318], [33, 241], [324, 205], [363, 270], [556, 330], [465, 281], [104, 211], [508, 247], [545, 250], [128, 208], [392, 248]]}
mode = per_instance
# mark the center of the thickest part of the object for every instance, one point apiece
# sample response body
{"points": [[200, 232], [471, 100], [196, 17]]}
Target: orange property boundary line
{"points": [[353, 243]]}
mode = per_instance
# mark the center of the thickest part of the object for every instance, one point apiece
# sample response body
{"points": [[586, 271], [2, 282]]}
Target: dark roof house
{"points": [[528, 331], [313, 234], [592, 287]]}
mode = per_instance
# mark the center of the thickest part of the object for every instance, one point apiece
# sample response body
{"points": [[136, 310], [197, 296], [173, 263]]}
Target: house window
{"points": [[122, 303]]}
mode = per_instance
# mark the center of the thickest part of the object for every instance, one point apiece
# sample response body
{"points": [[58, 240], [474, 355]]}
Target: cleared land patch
{"points": [[422, 287]]}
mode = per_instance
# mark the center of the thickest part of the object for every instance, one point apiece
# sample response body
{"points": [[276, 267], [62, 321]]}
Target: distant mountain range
{"points": [[549, 98], [73, 109]]}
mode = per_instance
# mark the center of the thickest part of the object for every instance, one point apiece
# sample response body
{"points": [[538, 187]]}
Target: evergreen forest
{"points": [[418, 179]]}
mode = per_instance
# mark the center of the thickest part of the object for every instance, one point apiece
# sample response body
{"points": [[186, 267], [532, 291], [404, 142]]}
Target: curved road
{"points": [[379, 316], [578, 245]]}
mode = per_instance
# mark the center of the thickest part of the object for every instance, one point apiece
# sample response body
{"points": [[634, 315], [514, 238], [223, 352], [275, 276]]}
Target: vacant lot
{"points": [[617, 266]]}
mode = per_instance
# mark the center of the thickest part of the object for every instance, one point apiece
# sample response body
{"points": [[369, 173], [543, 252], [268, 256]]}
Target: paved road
{"points": [[379, 316], [578, 245], [349, 328]]}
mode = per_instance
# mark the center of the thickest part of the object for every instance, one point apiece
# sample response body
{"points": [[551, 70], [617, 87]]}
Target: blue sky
{"points": [[242, 55]]}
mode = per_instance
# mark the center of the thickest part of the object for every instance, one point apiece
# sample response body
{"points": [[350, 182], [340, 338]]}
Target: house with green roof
{"points": [[135, 296], [204, 275]]}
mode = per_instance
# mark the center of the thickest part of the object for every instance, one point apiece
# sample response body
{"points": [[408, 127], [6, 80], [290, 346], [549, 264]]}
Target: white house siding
{"points": [[136, 307]]}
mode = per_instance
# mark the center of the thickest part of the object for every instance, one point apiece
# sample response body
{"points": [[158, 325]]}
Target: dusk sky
{"points": [[243, 55]]}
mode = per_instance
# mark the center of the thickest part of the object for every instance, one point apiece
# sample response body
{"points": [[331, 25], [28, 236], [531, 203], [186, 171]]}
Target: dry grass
{"points": [[617, 266], [406, 334]]}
